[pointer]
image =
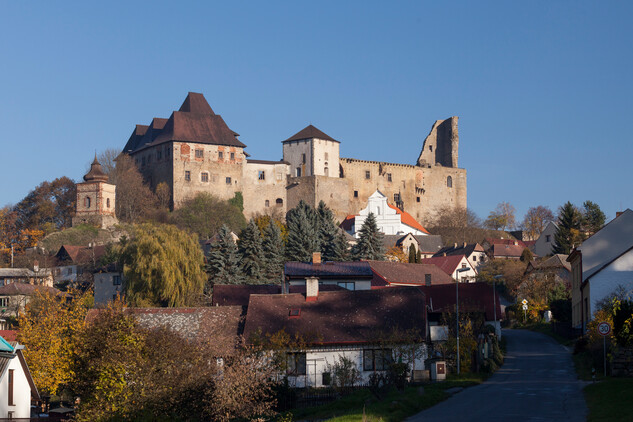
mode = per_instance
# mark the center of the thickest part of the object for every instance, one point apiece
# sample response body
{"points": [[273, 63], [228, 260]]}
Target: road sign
{"points": [[604, 329], [524, 302], [525, 307]]}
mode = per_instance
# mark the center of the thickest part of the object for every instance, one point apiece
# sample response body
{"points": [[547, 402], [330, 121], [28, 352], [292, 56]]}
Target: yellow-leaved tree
{"points": [[48, 329]]}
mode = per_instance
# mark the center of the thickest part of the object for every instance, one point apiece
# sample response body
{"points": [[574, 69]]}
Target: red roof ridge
{"points": [[408, 219]]}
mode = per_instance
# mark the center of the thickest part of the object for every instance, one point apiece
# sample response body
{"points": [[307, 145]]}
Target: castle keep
{"points": [[195, 151]]}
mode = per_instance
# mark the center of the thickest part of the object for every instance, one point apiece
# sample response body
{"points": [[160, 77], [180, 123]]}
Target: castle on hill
{"points": [[194, 150]]}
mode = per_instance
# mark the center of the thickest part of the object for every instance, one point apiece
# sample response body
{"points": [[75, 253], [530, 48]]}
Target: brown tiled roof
{"points": [[301, 270], [473, 297], [493, 241], [24, 289], [461, 249], [408, 219], [344, 317], [239, 294], [194, 122], [9, 335], [135, 138], [448, 264], [513, 251], [80, 254], [405, 273], [310, 132]]}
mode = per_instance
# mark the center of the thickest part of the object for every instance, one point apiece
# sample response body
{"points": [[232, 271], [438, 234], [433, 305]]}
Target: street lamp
{"points": [[494, 298], [461, 270]]}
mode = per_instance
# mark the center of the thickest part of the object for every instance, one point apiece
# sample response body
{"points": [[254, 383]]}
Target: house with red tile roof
{"points": [[456, 266], [473, 251], [503, 251], [391, 274], [390, 219], [335, 324]]}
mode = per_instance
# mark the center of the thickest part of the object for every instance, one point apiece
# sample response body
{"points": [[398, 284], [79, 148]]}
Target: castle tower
{"points": [[311, 152], [95, 199], [441, 146]]}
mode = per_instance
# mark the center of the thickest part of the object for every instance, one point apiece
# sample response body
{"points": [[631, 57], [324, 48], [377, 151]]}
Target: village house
{"points": [[426, 245], [600, 266], [355, 275], [108, 285], [356, 325], [75, 264], [456, 266], [391, 274], [473, 251], [15, 296], [36, 276], [17, 388], [544, 245]]}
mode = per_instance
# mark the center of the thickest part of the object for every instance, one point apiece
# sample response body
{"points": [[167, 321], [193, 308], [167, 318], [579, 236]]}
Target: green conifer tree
{"points": [[273, 246], [223, 263], [413, 254], [303, 236], [593, 218], [332, 241], [567, 234], [369, 245], [251, 254]]}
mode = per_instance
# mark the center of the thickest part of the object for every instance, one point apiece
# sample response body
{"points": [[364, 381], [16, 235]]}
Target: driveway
{"points": [[536, 383]]}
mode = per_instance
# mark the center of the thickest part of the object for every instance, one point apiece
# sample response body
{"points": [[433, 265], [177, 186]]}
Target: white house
{"points": [[544, 245], [16, 384], [390, 220], [474, 252], [457, 266], [108, 285], [336, 324], [600, 265]]}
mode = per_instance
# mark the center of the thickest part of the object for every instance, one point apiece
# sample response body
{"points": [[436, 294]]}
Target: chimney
{"points": [[316, 258], [312, 288], [618, 213], [36, 266], [465, 244]]}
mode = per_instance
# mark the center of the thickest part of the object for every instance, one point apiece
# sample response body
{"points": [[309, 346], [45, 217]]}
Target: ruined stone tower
{"points": [[441, 146], [95, 199]]}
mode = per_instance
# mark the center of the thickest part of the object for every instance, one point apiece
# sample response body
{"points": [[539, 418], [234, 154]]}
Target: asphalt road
{"points": [[537, 382]]}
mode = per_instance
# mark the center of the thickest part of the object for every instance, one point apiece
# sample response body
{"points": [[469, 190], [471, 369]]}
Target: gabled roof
{"points": [[429, 243], [462, 249], [408, 219], [607, 244], [494, 241], [448, 264], [473, 297], [80, 254], [194, 122], [513, 251], [553, 262], [310, 132], [405, 273], [348, 223], [17, 352], [301, 270], [344, 317], [23, 289]]}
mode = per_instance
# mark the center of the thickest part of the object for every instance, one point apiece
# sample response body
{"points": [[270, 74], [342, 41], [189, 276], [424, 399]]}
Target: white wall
{"points": [[318, 362], [544, 244], [604, 282], [387, 219], [21, 392], [469, 275]]}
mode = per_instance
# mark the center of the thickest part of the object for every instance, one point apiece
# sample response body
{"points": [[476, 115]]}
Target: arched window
{"points": [[108, 202], [327, 171], [449, 182], [87, 202], [279, 202], [267, 203]]}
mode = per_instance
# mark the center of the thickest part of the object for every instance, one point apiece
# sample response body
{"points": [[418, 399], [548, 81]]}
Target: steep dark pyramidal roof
{"points": [[194, 122], [96, 173], [310, 132]]}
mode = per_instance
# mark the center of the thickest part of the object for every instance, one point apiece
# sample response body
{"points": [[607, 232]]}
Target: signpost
{"points": [[604, 329], [525, 307]]}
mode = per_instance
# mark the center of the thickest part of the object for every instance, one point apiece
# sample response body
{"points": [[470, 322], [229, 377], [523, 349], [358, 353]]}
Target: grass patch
{"points": [[394, 406], [610, 400]]}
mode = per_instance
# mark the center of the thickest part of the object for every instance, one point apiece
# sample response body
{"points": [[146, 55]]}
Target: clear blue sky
{"points": [[543, 89]]}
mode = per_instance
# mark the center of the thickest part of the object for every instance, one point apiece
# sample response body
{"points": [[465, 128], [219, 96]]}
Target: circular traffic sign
{"points": [[604, 329]]}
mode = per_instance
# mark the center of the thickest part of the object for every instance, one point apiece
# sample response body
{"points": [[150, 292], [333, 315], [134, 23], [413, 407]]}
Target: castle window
{"points": [[303, 158], [396, 197], [187, 176], [199, 153], [279, 202], [326, 156], [449, 182], [232, 156], [367, 174], [431, 148], [326, 171], [204, 177], [417, 199], [261, 175], [298, 171], [228, 180], [267, 203], [220, 155], [87, 202], [107, 202], [355, 194], [388, 177], [159, 155]]}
